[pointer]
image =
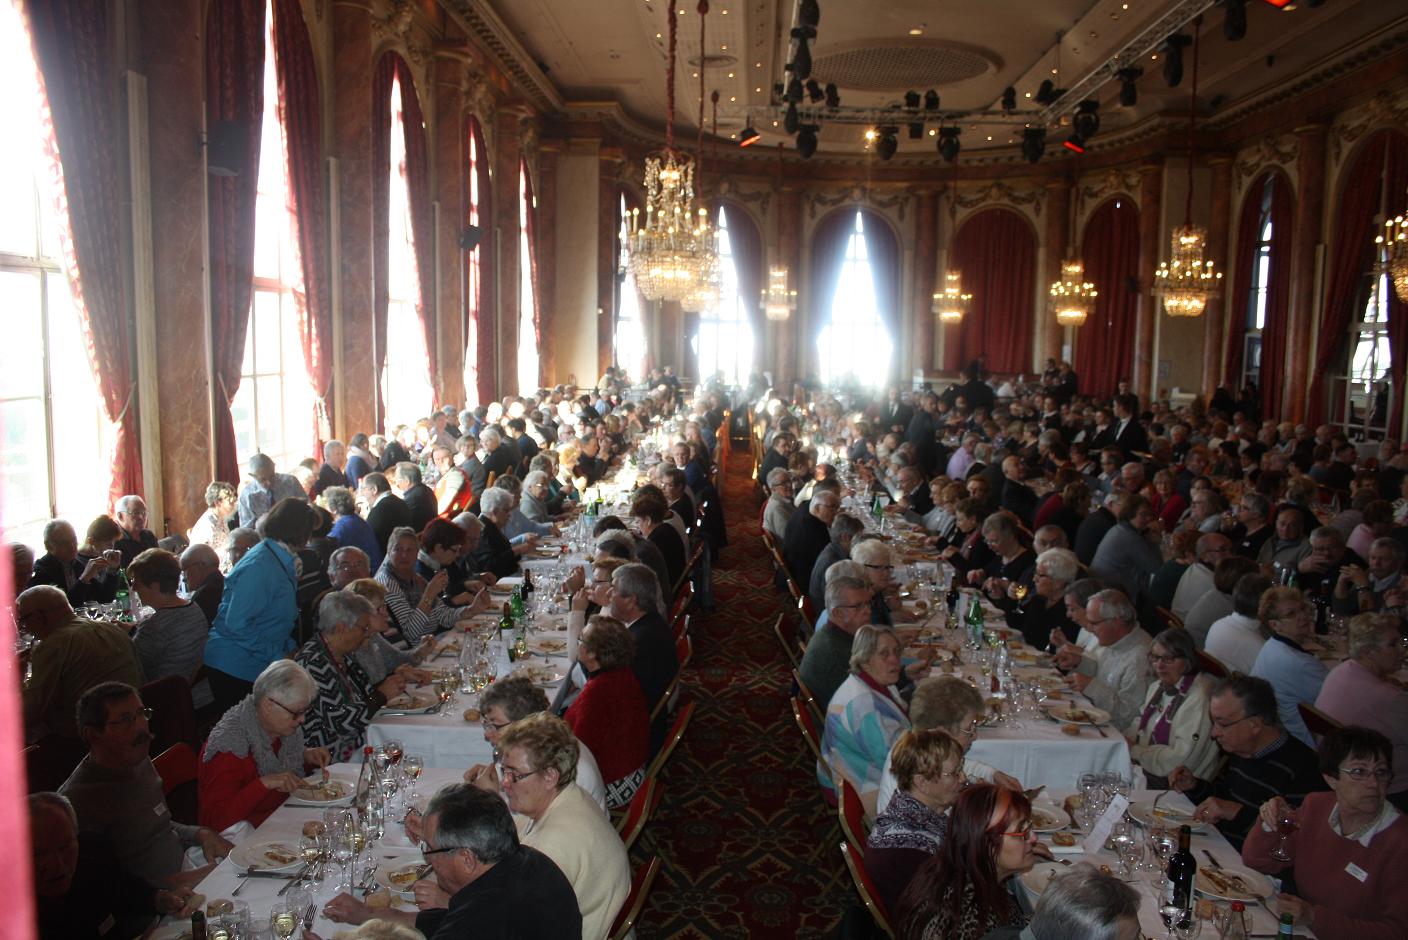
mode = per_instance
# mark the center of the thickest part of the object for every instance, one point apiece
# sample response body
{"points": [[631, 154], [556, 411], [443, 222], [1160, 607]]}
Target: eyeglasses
{"points": [[491, 725], [1101, 620], [1021, 832], [1224, 725], [295, 714], [856, 606], [129, 719], [1360, 774], [513, 776], [427, 851], [1165, 660], [882, 567]]}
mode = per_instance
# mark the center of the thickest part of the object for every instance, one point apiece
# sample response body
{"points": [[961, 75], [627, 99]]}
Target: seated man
{"points": [[634, 602], [1119, 678], [200, 566], [843, 531], [495, 553], [60, 566], [118, 794], [264, 488], [1262, 759], [1081, 901], [1236, 639], [808, 532], [419, 498], [131, 515], [827, 661]]}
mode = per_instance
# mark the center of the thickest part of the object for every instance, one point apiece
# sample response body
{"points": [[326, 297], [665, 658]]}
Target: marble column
{"points": [[352, 146], [789, 365], [926, 276], [451, 191], [1309, 222], [502, 326], [545, 190], [1143, 378], [1057, 241], [606, 284], [1215, 315]]}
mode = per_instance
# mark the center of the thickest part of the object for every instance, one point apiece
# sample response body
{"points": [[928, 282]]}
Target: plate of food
{"points": [[1036, 880], [548, 645], [538, 675], [267, 856], [399, 875], [331, 792], [1231, 883], [1049, 683], [1144, 813], [1075, 714], [1047, 817], [409, 701]]}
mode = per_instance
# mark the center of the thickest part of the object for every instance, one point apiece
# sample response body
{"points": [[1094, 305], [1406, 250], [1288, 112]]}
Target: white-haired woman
{"points": [[1044, 609], [533, 502], [865, 715], [1174, 728]]}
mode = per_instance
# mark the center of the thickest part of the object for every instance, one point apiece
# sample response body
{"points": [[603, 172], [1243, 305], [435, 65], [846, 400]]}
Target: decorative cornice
{"points": [[863, 196], [728, 189], [1385, 108], [1093, 189], [492, 35], [1280, 150], [998, 192]]}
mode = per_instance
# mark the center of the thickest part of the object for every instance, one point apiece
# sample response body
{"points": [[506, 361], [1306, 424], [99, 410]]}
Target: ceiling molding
{"points": [[491, 34]]}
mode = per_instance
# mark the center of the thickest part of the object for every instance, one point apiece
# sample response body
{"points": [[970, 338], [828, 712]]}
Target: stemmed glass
{"points": [[1129, 846], [1285, 825], [413, 764]]}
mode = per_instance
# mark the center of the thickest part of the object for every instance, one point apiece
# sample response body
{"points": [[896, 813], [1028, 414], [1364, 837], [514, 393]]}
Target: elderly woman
{"points": [[519, 527], [611, 716], [495, 553], [941, 520], [348, 528], [1077, 596], [865, 715], [99, 539], [928, 766], [346, 699], [1347, 846], [379, 658], [1359, 691], [1174, 728], [259, 608], [533, 502], [966, 550], [414, 601], [442, 545], [1295, 674], [962, 892], [1168, 504], [171, 642], [212, 528], [256, 756], [1044, 609]]}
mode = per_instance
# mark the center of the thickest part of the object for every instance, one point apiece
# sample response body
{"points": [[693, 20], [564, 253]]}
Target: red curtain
{"points": [[747, 245], [530, 229], [1110, 250], [1351, 255], [73, 48], [297, 73], [422, 220], [996, 252], [234, 92], [1278, 292]]}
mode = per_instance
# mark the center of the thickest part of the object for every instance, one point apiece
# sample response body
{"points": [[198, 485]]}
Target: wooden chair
{"points": [[173, 713], [1168, 619], [808, 726], [807, 610], [818, 712], [865, 887], [1319, 723], [680, 628], [851, 812], [1213, 666], [672, 741], [639, 811], [177, 766], [682, 600], [641, 882], [789, 648], [684, 652]]}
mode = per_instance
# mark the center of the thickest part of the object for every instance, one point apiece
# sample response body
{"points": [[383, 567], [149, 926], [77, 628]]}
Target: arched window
{"points": [[855, 346], [477, 177], [272, 411], [1364, 411], [724, 343], [1258, 288], [528, 368], [405, 379], [49, 403], [629, 351]]}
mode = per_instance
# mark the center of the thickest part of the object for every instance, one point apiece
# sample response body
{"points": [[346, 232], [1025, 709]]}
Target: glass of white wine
{"points": [[413, 764], [285, 918]]}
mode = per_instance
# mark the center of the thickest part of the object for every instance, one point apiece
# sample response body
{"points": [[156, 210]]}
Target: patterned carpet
{"points": [[747, 846]]}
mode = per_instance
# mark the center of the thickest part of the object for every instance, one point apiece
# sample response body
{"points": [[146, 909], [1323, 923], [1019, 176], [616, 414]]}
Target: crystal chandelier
{"points": [[707, 288], [1073, 297], [778, 300], [951, 303], [1395, 242]]}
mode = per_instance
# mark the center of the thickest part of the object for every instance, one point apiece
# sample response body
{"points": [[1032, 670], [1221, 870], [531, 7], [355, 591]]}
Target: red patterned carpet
{"points": [[746, 843]]}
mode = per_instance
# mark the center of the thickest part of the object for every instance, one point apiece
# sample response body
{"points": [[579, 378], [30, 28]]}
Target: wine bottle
{"points": [[506, 621], [1182, 867], [197, 925], [527, 582]]}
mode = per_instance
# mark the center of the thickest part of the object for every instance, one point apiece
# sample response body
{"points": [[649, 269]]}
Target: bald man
{"points": [[200, 567]]}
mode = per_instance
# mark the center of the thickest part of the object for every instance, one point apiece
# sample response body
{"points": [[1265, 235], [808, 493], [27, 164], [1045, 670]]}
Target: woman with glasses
{"points": [[865, 715], [963, 892], [1295, 674], [1173, 727], [255, 756], [1044, 609], [1348, 847], [928, 767], [610, 715]]}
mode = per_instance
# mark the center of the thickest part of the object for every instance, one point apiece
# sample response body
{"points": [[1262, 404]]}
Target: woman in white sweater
{"points": [[1173, 726]]}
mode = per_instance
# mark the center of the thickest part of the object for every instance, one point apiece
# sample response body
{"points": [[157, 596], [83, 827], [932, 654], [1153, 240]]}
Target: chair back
{"points": [[1168, 619], [639, 811], [1319, 723], [177, 766], [808, 726], [173, 713], [1211, 665], [807, 609], [672, 740], [682, 599], [851, 811], [806, 695], [789, 648], [641, 882], [865, 887], [680, 628], [684, 652]]}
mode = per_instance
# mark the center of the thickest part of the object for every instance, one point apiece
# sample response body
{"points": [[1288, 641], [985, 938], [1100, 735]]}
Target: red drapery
{"points": [[476, 269], [747, 246], [1278, 289], [73, 48], [530, 229], [1351, 254], [996, 252], [300, 118], [1110, 250], [234, 91]]}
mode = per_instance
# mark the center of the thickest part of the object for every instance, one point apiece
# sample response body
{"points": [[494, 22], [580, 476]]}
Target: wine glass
{"points": [[1128, 846], [284, 918], [413, 764], [1285, 825], [394, 750], [343, 851], [1019, 591]]}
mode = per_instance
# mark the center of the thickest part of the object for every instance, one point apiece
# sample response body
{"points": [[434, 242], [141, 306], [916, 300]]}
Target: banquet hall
{"points": [[408, 253]]}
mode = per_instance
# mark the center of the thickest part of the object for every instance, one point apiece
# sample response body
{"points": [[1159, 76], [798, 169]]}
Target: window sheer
{"points": [[854, 348], [629, 350], [474, 273], [724, 343], [527, 328], [1367, 390], [1259, 289]]}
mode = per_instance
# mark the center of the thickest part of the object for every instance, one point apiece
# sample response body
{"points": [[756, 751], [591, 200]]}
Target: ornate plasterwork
{"points": [[860, 196], [1278, 151], [728, 189], [1092, 190], [997, 193], [1385, 109]]}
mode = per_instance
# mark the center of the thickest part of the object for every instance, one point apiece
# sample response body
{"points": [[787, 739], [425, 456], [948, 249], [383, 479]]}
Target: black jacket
{"points": [[386, 515], [420, 500]]}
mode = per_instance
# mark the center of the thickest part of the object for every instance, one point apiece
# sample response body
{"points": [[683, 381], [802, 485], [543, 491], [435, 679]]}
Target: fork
{"points": [[308, 916]]}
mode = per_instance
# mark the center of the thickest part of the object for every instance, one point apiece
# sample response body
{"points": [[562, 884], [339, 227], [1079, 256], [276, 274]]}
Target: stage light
{"points": [[814, 91], [794, 89], [791, 120], [833, 97], [1009, 98], [1173, 58], [949, 144], [809, 13], [1234, 20], [911, 100], [1075, 144], [802, 61], [1087, 118], [1046, 93], [887, 143], [1129, 93], [806, 140], [916, 130], [1033, 143], [931, 100], [748, 136]]}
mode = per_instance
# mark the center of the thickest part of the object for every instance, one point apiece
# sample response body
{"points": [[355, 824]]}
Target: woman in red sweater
{"points": [[610, 715], [1349, 848]]}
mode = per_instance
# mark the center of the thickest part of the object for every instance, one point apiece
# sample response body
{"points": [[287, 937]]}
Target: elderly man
{"points": [[419, 498], [1210, 549], [333, 471], [808, 533], [1083, 902], [635, 602], [1017, 498], [1319, 569], [1288, 546], [779, 507], [1118, 680], [130, 512], [783, 445], [1129, 553], [264, 488], [1252, 527], [843, 531], [241, 541], [963, 458], [1093, 528], [1361, 590], [1237, 639], [200, 567], [827, 661], [118, 793], [1262, 759], [498, 458], [495, 553], [385, 511], [61, 566]]}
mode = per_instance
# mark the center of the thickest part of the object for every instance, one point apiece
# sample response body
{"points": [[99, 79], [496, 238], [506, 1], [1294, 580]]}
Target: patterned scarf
{"points": [[1164, 725], [239, 733], [908, 824]]}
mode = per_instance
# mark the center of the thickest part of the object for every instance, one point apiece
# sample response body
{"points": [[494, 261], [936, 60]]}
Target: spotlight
{"points": [[1075, 143], [794, 89], [802, 61], [1234, 20], [916, 130], [809, 13], [1046, 92], [791, 121], [911, 100], [1173, 58], [1087, 118], [1009, 98], [748, 136], [814, 91], [833, 97], [806, 140], [931, 100], [1129, 94], [778, 89], [1033, 143], [888, 143], [949, 144], [470, 237]]}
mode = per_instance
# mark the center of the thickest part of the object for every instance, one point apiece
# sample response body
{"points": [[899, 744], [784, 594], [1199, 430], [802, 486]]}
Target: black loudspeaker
{"points": [[225, 146], [470, 237]]}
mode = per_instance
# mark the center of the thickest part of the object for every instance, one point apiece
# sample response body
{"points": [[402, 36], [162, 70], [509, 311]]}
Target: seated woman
{"points": [[346, 699], [610, 715], [495, 553], [966, 550], [963, 892], [1077, 595], [102, 534], [212, 528], [1044, 610], [865, 715], [414, 601], [256, 756], [379, 658], [1168, 504], [535, 500], [1347, 846], [171, 642], [1174, 727], [441, 546], [941, 520], [928, 768]]}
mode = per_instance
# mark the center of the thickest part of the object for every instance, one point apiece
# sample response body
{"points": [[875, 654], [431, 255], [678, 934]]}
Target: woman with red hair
{"points": [[962, 892]]}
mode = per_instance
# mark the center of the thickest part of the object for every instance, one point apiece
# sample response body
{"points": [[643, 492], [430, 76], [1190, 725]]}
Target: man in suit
{"points": [[384, 510], [468, 461], [635, 594], [922, 434], [332, 472], [912, 492], [808, 533], [896, 413], [131, 517], [650, 513], [783, 445], [672, 483], [61, 567], [499, 458], [1129, 435], [1017, 497], [419, 498]]}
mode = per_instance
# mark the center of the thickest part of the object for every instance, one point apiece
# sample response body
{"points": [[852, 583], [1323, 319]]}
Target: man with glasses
{"points": [[1262, 759], [130, 512], [200, 569], [826, 663], [1210, 549], [119, 795], [1118, 679]]}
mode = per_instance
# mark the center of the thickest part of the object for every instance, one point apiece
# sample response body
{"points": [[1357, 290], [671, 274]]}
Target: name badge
{"points": [[1360, 874], [160, 808]]}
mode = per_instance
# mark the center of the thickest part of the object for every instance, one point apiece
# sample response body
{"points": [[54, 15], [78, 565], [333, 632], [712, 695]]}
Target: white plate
{"points": [[386, 872], [1208, 883], [548, 646], [1048, 817], [538, 675], [1036, 880], [413, 701], [347, 789], [1142, 812], [1076, 714], [257, 855]]}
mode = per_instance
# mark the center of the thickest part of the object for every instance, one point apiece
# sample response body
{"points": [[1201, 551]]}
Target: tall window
{"points": [[1364, 410], [855, 347], [273, 408], [724, 343], [527, 299], [55, 439], [474, 273], [1257, 290], [629, 351]]}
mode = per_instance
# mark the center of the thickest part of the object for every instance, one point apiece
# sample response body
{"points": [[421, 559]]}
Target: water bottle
{"points": [[1235, 927], [975, 621]]}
